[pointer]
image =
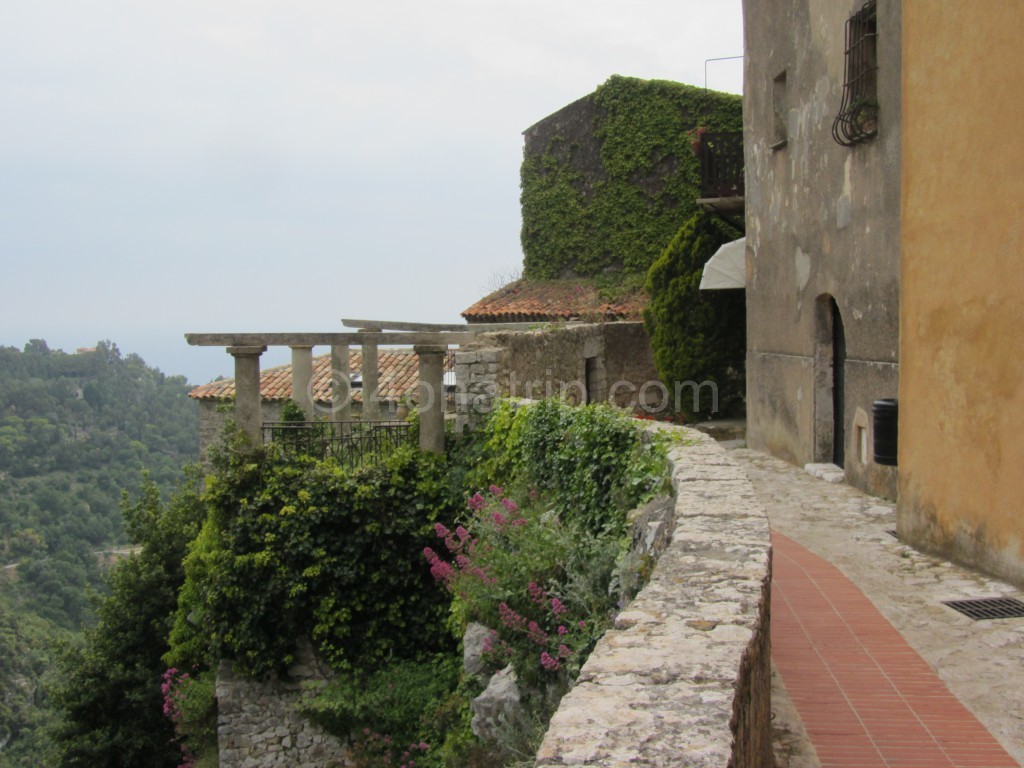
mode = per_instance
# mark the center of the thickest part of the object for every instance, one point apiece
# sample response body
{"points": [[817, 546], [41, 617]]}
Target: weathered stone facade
{"points": [[823, 244], [259, 725], [684, 676], [607, 362]]}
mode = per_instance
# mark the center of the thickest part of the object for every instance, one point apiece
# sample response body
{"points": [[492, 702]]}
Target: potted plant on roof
{"points": [[697, 139]]}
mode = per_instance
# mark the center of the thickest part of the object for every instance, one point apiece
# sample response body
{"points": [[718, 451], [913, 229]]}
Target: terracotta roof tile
{"points": [[398, 374], [552, 301]]}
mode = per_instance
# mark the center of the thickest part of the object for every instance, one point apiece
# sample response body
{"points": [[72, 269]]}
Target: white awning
{"points": [[727, 268]]}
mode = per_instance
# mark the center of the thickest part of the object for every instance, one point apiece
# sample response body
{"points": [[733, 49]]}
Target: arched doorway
{"points": [[838, 386], [829, 383]]}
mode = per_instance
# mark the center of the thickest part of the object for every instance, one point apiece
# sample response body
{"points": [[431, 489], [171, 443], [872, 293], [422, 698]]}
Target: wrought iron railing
{"points": [[721, 164], [352, 443]]}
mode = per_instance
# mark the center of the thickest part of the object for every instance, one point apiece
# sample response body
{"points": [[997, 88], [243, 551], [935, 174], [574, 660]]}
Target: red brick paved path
{"points": [[865, 697]]}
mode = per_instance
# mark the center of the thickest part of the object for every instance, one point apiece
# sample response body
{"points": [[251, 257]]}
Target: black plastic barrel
{"points": [[886, 417]]}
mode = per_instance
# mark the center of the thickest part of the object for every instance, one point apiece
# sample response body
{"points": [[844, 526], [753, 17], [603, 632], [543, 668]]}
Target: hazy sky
{"points": [[262, 165]]}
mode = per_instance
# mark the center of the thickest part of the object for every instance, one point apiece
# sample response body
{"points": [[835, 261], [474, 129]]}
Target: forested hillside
{"points": [[75, 431]]}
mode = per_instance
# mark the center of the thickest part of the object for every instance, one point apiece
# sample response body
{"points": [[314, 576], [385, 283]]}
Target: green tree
{"points": [[696, 335], [75, 429], [110, 695]]}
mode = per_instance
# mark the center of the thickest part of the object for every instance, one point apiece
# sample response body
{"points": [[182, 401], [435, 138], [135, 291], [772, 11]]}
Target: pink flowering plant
{"points": [[190, 704], [540, 584]]}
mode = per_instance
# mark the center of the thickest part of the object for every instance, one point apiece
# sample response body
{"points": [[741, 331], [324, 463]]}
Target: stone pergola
{"points": [[430, 342]]}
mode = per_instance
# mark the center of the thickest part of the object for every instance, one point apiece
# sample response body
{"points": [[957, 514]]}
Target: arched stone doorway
{"points": [[829, 382]]}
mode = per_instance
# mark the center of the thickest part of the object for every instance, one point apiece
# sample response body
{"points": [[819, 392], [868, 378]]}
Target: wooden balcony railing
{"points": [[721, 165]]}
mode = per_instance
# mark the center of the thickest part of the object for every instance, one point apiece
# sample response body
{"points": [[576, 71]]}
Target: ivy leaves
{"points": [[606, 187], [332, 555]]}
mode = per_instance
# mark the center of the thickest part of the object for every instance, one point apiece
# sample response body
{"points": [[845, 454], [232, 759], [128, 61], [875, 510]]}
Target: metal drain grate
{"points": [[989, 608]]}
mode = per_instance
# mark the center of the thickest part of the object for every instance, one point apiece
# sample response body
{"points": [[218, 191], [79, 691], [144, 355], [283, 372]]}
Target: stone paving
{"points": [[980, 662]]}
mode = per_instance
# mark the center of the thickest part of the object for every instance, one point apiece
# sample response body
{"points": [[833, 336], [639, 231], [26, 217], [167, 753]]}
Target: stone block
{"points": [[497, 711]]}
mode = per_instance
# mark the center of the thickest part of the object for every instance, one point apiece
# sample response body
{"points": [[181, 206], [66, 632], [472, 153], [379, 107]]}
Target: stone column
{"points": [[371, 383], [341, 384], [431, 394], [248, 405], [302, 379]]}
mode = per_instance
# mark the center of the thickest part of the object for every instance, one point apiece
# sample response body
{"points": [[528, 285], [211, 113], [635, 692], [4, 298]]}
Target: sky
{"points": [[261, 165]]}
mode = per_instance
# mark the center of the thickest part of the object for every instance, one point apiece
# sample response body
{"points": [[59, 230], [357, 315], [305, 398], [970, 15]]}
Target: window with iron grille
{"points": [[858, 117]]}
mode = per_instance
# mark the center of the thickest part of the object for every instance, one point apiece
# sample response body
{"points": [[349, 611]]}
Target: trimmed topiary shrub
{"points": [[697, 336]]}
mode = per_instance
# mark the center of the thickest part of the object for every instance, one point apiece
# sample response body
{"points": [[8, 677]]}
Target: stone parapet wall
{"points": [[259, 724], [683, 678], [602, 362]]}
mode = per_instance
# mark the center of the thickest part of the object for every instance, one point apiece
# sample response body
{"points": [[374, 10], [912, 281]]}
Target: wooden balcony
{"points": [[721, 173]]}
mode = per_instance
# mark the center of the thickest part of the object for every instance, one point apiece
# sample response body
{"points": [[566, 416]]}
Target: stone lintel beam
{"points": [[431, 396], [406, 339], [248, 405], [302, 378], [389, 325]]}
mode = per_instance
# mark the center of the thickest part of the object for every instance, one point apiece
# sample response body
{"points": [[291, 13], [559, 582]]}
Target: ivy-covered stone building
{"points": [[608, 180]]}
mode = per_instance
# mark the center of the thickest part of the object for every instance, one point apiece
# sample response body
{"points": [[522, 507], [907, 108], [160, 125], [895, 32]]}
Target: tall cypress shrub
{"points": [[696, 336]]}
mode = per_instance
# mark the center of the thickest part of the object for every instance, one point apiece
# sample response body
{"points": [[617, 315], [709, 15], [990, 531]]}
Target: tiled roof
{"points": [[398, 374], [552, 301]]}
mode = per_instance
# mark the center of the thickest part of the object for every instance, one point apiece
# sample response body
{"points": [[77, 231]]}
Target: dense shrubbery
{"points": [[305, 548], [588, 461], [408, 706], [540, 575], [326, 552], [696, 335]]}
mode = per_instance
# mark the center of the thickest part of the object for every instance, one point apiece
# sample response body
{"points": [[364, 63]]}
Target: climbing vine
{"points": [[331, 554], [590, 211]]}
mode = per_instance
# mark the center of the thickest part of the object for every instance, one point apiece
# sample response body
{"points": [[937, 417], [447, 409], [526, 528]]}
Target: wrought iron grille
{"points": [[721, 164], [858, 116], [351, 442]]}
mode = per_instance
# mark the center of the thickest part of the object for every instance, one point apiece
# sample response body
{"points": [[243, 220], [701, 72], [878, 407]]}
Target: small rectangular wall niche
{"points": [[780, 108]]}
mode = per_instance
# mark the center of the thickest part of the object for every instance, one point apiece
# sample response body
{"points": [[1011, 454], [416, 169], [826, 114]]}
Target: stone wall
{"points": [[259, 725], [683, 678], [583, 363], [214, 414]]}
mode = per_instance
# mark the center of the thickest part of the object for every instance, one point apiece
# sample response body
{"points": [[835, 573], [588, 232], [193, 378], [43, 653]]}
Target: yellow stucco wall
{"points": [[961, 451]]}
